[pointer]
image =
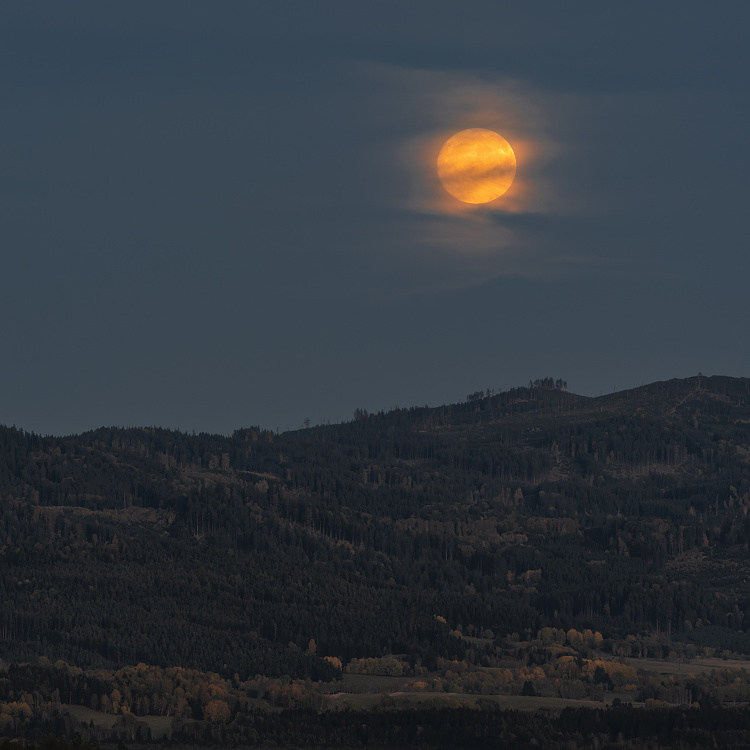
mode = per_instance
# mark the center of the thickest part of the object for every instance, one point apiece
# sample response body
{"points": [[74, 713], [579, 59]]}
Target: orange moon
{"points": [[476, 165]]}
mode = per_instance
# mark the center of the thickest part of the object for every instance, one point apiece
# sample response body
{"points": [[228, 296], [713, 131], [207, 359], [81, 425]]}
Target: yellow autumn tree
{"points": [[575, 638], [334, 660], [218, 711]]}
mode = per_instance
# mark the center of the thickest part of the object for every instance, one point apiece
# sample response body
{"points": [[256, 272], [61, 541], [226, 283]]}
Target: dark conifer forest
{"points": [[501, 527]]}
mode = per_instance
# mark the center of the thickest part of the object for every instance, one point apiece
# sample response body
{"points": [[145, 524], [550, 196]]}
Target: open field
{"points": [[699, 666], [157, 724], [367, 683], [516, 702]]}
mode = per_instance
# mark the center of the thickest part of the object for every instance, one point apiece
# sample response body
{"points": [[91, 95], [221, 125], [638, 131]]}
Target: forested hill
{"points": [[264, 552]]}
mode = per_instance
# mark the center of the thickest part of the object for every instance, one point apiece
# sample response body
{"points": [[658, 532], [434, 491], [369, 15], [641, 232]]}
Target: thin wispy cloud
{"points": [[462, 244]]}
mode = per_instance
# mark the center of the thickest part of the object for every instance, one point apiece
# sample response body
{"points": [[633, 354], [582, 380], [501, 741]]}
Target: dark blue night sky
{"points": [[214, 215]]}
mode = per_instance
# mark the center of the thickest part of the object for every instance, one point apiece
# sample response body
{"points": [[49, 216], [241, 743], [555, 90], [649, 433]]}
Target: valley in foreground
{"points": [[422, 576]]}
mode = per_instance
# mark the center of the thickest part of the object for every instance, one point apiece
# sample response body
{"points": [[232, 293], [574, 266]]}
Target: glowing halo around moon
{"points": [[476, 165]]}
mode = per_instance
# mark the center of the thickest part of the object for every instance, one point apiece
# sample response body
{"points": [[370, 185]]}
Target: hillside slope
{"points": [[625, 513]]}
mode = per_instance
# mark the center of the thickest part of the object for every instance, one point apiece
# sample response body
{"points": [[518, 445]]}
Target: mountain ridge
{"points": [[535, 507]]}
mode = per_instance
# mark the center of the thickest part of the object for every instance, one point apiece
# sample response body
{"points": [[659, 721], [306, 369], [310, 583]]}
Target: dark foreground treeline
{"points": [[572, 729], [492, 728]]}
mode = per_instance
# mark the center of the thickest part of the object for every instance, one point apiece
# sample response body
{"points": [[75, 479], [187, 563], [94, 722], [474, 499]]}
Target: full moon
{"points": [[476, 165]]}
